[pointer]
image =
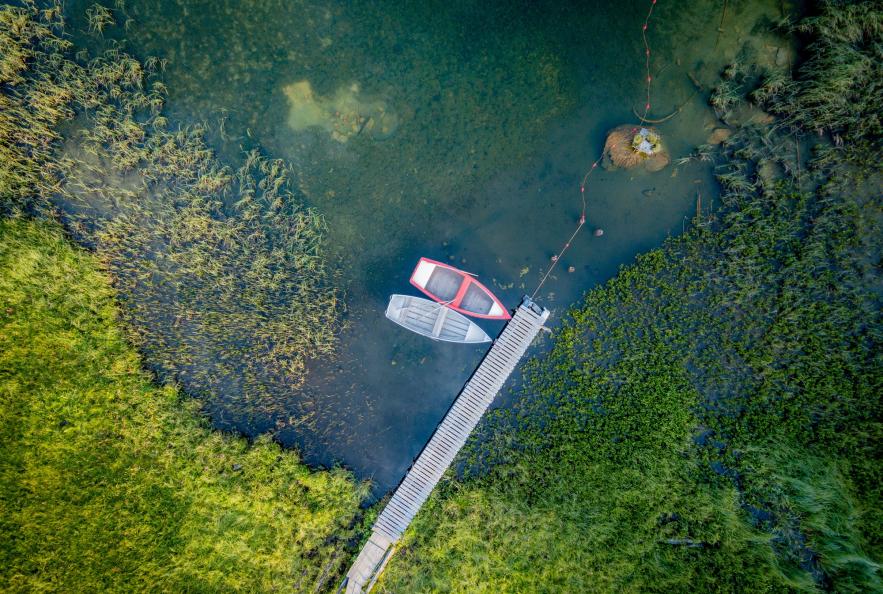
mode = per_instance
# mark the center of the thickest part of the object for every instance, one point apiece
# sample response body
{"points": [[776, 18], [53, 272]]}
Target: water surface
{"points": [[484, 121]]}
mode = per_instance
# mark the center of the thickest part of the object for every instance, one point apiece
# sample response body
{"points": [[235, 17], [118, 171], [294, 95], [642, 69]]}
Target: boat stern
{"points": [[422, 272]]}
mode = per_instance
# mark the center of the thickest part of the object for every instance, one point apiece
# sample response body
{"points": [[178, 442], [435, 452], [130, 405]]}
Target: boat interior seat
{"points": [[476, 300], [444, 283]]}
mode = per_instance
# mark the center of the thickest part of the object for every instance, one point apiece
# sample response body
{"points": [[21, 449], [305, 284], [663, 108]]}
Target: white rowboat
{"points": [[433, 320]]}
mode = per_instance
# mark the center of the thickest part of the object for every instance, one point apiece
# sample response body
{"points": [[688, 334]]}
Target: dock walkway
{"points": [[442, 448]]}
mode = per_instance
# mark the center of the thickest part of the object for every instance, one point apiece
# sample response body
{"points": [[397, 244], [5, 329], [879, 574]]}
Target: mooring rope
{"points": [[582, 221], [647, 58], [582, 187]]}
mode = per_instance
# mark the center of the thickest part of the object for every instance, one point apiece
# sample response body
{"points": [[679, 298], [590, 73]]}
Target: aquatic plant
{"points": [[111, 483], [841, 83], [98, 17], [29, 111], [221, 273], [724, 96], [812, 499]]}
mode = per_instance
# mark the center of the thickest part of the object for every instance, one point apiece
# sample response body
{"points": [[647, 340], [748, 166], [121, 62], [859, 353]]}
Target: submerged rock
{"points": [[719, 135], [343, 115]]}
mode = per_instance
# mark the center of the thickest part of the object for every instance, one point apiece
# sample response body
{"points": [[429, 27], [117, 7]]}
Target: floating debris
{"points": [[630, 146]]}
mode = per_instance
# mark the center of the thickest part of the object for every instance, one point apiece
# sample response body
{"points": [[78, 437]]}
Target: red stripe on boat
{"points": [[457, 289]]}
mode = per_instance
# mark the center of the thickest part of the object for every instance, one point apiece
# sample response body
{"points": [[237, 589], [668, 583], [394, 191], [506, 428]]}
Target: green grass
{"points": [[607, 505], [111, 483]]}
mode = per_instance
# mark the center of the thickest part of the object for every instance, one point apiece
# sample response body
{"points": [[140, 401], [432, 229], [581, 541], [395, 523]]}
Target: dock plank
{"points": [[447, 440]]}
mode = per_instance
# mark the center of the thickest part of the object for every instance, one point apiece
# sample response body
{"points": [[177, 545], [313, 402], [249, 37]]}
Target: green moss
{"points": [[110, 483]]}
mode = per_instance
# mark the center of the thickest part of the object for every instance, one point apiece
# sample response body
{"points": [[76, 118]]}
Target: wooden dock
{"points": [[442, 448]]}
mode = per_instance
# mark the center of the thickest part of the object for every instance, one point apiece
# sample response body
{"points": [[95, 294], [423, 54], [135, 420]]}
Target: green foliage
{"points": [[841, 84], [598, 499], [813, 497], [109, 483], [707, 421]]}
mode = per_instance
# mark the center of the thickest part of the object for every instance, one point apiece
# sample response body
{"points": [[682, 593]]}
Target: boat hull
{"points": [[457, 289], [434, 320]]}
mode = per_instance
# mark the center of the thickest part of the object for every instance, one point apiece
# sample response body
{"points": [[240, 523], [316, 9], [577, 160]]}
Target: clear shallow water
{"points": [[491, 117]]}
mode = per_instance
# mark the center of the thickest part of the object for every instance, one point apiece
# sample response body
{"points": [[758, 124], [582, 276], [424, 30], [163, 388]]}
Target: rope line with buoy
{"points": [[647, 58], [626, 145]]}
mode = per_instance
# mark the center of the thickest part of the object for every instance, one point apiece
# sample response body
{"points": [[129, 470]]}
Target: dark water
{"points": [[485, 118]]}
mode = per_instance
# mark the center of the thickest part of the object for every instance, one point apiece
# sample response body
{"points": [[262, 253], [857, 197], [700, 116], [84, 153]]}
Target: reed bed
{"points": [[220, 272]]}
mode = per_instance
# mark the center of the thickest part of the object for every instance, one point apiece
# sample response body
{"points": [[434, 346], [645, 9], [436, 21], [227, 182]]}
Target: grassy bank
{"points": [[110, 483], [215, 276], [710, 419]]}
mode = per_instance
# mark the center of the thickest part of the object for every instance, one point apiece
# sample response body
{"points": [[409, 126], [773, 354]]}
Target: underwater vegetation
{"points": [[467, 89], [710, 419], [841, 90], [220, 272], [343, 115], [109, 483]]}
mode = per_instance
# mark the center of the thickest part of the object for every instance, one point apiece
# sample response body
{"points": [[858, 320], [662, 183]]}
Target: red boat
{"points": [[457, 290]]}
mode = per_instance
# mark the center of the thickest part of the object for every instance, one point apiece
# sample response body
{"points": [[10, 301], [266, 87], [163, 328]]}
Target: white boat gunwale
{"points": [[434, 320]]}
